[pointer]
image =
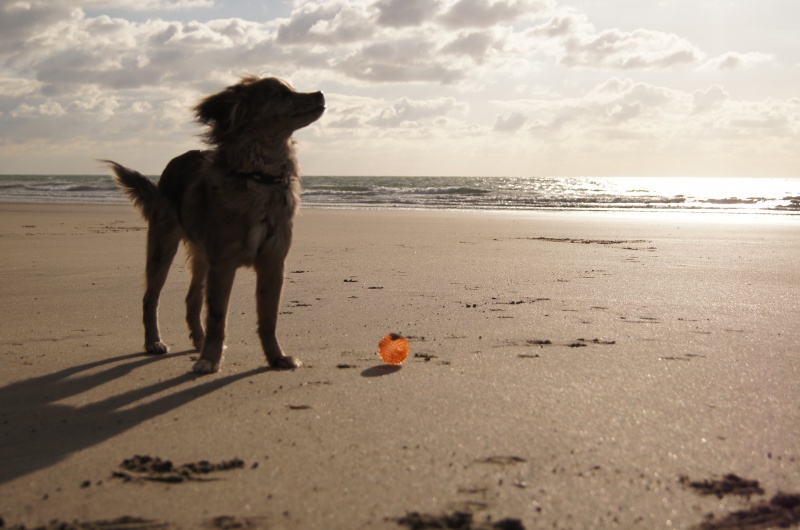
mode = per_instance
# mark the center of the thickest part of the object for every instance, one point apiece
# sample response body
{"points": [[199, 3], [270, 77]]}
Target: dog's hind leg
{"points": [[269, 283], [161, 249], [194, 299], [218, 292]]}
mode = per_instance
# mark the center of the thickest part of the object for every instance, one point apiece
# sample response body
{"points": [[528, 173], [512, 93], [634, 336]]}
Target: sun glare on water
{"points": [[709, 191]]}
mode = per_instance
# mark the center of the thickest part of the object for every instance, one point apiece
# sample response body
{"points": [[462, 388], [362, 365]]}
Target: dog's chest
{"points": [[260, 231], [270, 210]]}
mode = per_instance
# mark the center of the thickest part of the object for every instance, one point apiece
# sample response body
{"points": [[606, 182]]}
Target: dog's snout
{"points": [[320, 98]]}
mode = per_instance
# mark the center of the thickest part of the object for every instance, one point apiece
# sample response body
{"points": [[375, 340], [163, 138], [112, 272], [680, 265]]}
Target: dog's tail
{"points": [[140, 190]]}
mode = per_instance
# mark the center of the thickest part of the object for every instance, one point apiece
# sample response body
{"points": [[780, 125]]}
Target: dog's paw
{"points": [[157, 347], [203, 366], [285, 363]]}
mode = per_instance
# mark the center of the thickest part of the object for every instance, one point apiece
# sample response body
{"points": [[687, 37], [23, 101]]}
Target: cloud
{"points": [[24, 110], [639, 49], [625, 116], [766, 118], [737, 61], [403, 60], [610, 108], [633, 92], [486, 13], [394, 72], [403, 13], [705, 100], [353, 122], [140, 5], [475, 45], [580, 45], [369, 42], [19, 20], [327, 23], [122, 55], [18, 88], [562, 25], [158, 4], [337, 38], [512, 123], [407, 111]]}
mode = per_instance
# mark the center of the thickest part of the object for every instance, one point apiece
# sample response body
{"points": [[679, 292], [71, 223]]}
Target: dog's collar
{"points": [[261, 177]]}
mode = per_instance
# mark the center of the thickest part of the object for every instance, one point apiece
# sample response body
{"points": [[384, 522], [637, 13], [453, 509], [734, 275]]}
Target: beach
{"points": [[567, 370]]}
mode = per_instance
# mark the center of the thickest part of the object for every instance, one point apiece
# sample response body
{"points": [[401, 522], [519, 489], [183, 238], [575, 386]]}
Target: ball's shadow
{"points": [[380, 370]]}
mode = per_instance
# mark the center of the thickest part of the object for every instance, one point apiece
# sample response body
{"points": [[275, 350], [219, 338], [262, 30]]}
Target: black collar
{"points": [[260, 177]]}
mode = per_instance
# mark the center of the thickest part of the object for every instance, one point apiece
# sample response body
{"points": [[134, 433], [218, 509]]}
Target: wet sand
{"points": [[567, 370]]}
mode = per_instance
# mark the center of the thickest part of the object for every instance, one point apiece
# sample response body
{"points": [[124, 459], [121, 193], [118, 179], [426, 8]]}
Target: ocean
{"points": [[733, 195]]}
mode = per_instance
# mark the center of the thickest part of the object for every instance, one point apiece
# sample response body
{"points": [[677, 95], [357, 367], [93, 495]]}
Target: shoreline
{"points": [[721, 195], [567, 370], [634, 211]]}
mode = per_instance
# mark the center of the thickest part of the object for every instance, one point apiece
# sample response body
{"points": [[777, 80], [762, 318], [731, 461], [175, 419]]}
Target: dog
{"points": [[232, 205]]}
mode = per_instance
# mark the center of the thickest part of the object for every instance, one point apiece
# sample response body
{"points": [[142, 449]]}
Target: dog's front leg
{"points": [[218, 293], [269, 284]]}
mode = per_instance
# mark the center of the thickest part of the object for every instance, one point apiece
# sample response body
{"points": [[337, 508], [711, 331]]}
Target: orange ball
{"points": [[393, 349]]}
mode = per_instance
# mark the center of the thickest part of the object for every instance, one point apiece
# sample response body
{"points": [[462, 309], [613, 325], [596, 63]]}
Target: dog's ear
{"points": [[219, 110], [223, 111]]}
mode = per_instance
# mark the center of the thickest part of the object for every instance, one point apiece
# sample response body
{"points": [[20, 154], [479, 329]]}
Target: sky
{"points": [[414, 87]]}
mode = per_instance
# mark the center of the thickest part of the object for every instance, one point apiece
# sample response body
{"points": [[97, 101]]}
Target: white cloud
{"points": [[475, 44], [328, 23], [486, 13], [408, 111], [140, 5], [610, 108], [563, 25], [638, 49], [769, 117], [410, 59], [451, 72], [579, 44], [624, 116], [19, 20], [24, 110], [18, 87], [161, 4], [402, 13], [737, 61], [51, 108], [512, 123], [705, 100]]}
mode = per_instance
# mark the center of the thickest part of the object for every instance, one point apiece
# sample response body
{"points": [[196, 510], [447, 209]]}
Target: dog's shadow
{"points": [[36, 431]]}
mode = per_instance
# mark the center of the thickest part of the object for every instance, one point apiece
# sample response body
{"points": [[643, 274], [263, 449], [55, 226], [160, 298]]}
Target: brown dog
{"points": [[232, 205]]}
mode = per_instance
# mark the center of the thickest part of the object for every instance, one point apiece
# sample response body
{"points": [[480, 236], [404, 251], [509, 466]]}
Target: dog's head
{"points": [[266, 107]]}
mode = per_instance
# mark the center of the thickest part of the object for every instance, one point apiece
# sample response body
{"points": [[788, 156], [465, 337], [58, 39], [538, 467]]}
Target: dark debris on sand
{"points": [[226, 522], [782, 511], [135, 523], [455, 521], [730, 484], [154, 469], [121, 523], [501, 460]]}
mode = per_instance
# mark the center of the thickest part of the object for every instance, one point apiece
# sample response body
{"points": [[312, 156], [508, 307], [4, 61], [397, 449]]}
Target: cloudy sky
{"points": [[415, 87]]}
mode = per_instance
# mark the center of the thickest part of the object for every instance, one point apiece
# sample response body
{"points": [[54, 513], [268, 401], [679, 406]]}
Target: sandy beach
{"points": [[568, 370]]}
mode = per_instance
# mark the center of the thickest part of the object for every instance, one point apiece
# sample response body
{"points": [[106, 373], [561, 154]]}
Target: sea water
{"points": [[735, 195]]}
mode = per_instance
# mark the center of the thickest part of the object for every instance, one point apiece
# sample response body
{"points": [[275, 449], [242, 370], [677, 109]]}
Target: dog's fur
{"points": [[232, 205]]}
